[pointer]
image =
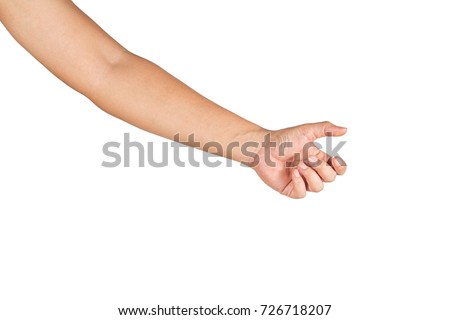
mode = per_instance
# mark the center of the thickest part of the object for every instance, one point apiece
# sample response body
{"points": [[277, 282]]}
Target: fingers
{"points": [[338, 165], [322, 129], [319, 163], [326, 166], [311, 175], [313, 181], [312, 172], [296, 188], [298, 185]]}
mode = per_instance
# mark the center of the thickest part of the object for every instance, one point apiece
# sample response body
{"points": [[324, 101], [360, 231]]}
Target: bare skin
{"points": [[77, 51]]}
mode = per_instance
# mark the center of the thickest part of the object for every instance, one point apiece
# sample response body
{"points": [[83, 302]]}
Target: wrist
{"points": [[249, 144]]}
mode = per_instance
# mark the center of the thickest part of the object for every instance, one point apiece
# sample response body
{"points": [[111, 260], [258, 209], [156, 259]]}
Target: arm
{"points": [[124, 85], [76, 50]]}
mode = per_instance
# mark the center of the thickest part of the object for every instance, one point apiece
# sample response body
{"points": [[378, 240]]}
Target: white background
{"points": [[77, 240]]}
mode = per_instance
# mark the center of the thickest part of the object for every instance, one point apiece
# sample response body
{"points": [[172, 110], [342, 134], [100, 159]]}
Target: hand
{"points": [[291, 164]]}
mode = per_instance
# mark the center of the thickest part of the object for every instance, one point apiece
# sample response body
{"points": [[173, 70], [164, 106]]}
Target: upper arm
{"points": [[62, 38]]}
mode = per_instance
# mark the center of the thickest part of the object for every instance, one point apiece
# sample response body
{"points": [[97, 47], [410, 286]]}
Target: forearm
{"points": [[141, 93]]}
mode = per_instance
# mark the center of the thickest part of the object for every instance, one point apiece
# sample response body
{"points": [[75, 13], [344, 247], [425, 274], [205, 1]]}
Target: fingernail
{"points": [[303, 166], [313, 162], [296, 173], [336, 129]]}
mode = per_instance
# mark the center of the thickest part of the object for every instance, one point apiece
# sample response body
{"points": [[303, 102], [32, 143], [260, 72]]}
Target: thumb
{"points": [[323, 129]]}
